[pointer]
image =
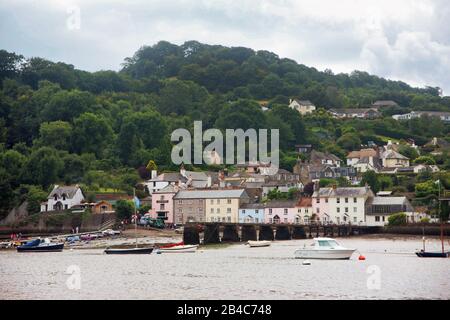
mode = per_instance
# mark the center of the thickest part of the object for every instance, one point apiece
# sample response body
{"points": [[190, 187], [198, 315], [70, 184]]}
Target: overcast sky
{"points": [[407, 40]]}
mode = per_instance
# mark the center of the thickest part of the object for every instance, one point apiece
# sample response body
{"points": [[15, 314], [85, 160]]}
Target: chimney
{"points": [[154, 174], [182, 170], [290, 101], [334, 186]]}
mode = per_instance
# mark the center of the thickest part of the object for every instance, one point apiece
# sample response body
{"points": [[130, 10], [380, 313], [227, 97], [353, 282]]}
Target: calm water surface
{"points": [[236, 272]]}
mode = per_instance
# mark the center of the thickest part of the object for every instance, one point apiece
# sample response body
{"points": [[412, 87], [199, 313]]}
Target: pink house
{"points": [[281, 211], [162, 204]]}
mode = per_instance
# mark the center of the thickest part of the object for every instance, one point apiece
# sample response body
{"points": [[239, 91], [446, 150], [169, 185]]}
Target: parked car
{"points": [[111, 232]]}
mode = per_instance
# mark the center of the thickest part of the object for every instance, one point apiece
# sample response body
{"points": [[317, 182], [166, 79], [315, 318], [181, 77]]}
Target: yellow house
{"points": [[223, 205], [393, 159]]}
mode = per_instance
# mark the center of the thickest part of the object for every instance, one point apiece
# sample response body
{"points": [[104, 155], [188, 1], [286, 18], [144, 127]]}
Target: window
{"points": [[318, 210], [180, 201], [318, 200], [326, 200], [285, 220], [355, 219], [355, 209], [162, 198], [256, 220], [384, 219], [377, 219], [338, 200], [218, 201], [212, 219], [243, 211], [270, 211], [229, 219], [338, 210], [270, 220], [218, 210], [346, 210], [355, 200], [212, 210], [285, 211], [229, 201], [346, 200], [228, 210], [211, 201], [161, 206], [66, 206]]}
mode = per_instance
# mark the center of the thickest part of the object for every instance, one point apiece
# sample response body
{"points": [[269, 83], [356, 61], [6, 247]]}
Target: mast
{"points": [[135, 216], [442, 219]]}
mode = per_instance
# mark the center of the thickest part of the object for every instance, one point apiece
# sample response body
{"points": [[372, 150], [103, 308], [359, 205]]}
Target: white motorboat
{"points": [[326, 249], [259, 244], [178, 249]]}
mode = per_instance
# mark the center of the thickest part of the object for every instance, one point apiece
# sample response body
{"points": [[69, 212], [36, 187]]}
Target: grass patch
{"points": [[215, 246]]}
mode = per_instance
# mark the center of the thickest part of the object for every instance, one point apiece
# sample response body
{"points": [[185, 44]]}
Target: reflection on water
{"points": [[236, 272]]}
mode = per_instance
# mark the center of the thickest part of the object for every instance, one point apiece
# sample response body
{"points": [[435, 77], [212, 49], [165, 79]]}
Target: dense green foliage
{"points": [[398, 219], [63, 125]]}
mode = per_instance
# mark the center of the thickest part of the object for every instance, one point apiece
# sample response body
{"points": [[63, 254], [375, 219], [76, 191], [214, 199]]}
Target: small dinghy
{"points": [[129, 251], [178, 249], [41, 246], [259, 244], [326, 249]]}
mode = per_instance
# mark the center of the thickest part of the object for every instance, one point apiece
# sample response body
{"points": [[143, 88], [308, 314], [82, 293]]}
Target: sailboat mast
{"points": [[442, 219], [135, 216]]}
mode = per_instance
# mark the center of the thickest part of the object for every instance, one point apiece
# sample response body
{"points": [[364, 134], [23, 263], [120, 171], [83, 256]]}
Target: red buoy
{"points": [[362, 258]]}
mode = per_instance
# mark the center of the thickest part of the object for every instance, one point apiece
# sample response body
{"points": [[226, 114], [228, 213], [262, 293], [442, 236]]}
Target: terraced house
{"points": [[209, 205], [341, 205]]}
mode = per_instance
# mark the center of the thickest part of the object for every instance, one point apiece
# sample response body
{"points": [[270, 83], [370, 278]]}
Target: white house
{"points": [[379, 209], [302, 106], [159, 182], [341, 205], [63, 198]]}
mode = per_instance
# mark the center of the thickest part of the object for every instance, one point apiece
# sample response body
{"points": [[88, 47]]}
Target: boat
{"points": [[326, 249], [425, 254], [178, 249], [136, 249], [259, 244], [129, 251], [39, 245], [442, 254]]}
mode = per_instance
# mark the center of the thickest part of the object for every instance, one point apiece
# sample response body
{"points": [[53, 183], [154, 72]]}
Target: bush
{"points": [[398, 219], [425, 220]]}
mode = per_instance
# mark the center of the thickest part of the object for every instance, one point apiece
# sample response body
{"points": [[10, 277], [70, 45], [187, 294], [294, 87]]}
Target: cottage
{"points": [[393, 159], [159, 182], [162, 204], [443, 116], [102, 207], [364, 160], [384, 104], [303, 148], [324, 158], [251, 213], [63, 198], [341, 205], [280, 211], [304, 107], [304, 213]]}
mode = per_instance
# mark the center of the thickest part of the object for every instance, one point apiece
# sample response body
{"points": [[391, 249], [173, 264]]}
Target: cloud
{"points": [[405, 40]]}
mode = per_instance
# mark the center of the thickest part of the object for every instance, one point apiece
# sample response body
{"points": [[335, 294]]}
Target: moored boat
{"points": [[259, 244], [325, 249], [425, 254], [41, 246], [129, 251]]}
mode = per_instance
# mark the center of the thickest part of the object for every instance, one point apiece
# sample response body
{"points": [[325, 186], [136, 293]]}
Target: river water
{"points": [[391, 271]]}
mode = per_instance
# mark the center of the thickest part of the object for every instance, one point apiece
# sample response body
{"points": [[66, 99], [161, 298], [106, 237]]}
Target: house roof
{"points": [[167, 189], [281, 204], [304, 102], [317, 155], [391, 154], [69, 191], [304, 202], [211, 194], [343, 192], [170, 177], [252, 206], [362, 153], [383, 103], [354, 111], [380, 201]]}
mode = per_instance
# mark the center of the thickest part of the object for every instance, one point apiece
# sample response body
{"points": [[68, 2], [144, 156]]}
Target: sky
{"points": [[406, 40]]}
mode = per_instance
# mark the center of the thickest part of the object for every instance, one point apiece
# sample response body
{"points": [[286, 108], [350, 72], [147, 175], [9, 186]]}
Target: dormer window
{"points": [[64, 197], [55, 197]]}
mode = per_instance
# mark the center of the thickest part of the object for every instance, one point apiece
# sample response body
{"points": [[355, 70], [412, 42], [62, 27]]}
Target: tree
{"points": [[43, 167], [55, 134], [408, 152], [370, 178], [151, 165], [349, 142], [425, 160], [124, 209], [92, 134], [399, 219], [10, 64], [67, 105]]}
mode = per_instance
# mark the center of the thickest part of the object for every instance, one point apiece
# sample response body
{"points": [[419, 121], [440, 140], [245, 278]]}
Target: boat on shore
{"points": [[259, 244], [129, 251], [179, 249], [39, 245], [425, 254], [325, 249]]}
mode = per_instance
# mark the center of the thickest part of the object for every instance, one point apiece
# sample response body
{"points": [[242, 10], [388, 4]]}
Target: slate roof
{"points": [[211, 194], [69, 191], [391, 154], [362, 153], [343, 192], [281, 204], [256, 206]]}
